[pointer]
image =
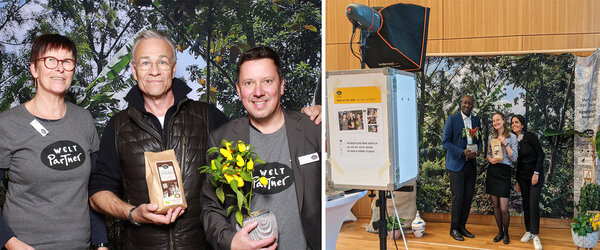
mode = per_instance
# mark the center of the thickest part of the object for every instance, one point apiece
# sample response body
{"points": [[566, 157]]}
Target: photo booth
{"points": [[372, 129]]}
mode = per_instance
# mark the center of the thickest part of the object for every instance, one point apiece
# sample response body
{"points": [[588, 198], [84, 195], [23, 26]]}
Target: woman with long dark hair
{"points": [[498, 182], [530, 178]]}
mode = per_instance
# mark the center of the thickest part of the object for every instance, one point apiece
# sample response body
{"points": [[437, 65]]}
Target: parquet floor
{"points": [[354, 236]]}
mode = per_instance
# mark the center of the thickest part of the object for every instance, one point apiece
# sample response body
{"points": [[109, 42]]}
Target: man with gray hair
{"points": [[159, 116]]}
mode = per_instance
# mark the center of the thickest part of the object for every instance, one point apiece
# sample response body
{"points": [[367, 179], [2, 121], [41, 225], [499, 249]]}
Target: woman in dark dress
{"points": [[530, 178], [498, 182]]}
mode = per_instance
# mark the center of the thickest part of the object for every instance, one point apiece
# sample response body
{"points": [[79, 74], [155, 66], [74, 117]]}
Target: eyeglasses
{"points": [[145, 64], [52, 62]]}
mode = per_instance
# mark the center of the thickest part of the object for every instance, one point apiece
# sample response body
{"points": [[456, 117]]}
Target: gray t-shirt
{"points": [[47, 200], [279, 196]]}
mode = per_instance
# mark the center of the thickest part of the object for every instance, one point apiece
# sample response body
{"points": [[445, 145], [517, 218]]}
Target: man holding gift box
{"points": [[159, 116], [461, 164], [289, 143]]}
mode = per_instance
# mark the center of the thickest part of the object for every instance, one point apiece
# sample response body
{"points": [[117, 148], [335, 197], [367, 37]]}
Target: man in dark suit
{"points": [[289, 143], [461, 163]]}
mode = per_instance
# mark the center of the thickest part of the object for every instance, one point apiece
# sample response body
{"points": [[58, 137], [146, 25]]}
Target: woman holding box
{"points": [[502, 154]]}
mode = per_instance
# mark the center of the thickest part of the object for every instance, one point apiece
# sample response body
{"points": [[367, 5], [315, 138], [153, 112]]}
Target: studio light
{"points": [[392, 36]]}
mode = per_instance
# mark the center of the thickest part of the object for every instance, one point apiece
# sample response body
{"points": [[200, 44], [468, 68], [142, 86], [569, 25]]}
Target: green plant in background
{"points": [[434, 186], [594, 140], [589, 198], [392, 223], [587, 222], [584, 224]]}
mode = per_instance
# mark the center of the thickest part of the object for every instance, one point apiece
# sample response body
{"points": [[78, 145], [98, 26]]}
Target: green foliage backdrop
{"points": [[215, 32], [544, 84]]}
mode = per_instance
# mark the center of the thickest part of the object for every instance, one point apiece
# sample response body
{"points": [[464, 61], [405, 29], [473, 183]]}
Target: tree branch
{"points": [[11, 13], [119, 36]]}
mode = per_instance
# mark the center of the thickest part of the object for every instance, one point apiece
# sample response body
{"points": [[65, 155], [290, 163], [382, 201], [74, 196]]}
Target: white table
{"points": [[337, 211]]}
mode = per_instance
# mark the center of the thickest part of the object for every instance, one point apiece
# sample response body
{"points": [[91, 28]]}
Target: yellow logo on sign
{"points": [[369, 94]]}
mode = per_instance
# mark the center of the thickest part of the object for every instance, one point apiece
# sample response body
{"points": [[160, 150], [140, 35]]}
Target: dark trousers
{"points": [[531, 203], [462, 185]]}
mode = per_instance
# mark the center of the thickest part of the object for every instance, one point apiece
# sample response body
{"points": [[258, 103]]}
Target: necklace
{"points": [[50, 117]]}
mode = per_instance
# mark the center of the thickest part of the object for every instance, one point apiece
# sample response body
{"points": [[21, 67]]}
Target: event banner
{"points": [[587, 113]]}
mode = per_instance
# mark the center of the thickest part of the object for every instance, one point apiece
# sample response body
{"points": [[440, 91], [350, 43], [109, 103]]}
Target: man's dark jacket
{"points": [[304, 138], [136, 131]]}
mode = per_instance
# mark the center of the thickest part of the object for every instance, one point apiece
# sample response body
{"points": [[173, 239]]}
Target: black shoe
{"points": [[464, 232], [506, 239], [456, 235], [498, 237]]}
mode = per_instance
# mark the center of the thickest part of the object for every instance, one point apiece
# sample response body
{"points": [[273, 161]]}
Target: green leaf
{"points": [[229, 210], [233, 185], [551, 132], [220, 193], [239, 217], [240, 199], [213, 150], [311, 28], [246, 176]]}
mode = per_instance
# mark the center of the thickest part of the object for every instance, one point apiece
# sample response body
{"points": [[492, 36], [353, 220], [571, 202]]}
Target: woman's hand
{"points": [[503, 141], [534, 179], [492, 160], [14, 243]]}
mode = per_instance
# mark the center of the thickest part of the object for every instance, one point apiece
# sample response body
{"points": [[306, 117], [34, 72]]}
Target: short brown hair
{"points": [[46, 42], [261, 52]]}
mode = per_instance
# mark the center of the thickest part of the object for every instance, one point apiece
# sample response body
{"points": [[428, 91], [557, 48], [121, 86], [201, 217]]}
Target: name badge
{"points": [[39, 127], [305, 159]]}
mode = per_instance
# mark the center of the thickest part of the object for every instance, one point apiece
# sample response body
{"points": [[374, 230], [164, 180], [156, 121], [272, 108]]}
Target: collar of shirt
{"points": [[464, 116], [467, 121], [520, 137]]}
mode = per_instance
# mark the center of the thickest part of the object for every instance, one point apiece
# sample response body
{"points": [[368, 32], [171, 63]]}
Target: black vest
{"points": [[186, 132]]}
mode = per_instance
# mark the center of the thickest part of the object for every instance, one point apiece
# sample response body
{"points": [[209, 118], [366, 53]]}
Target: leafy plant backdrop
{"points": [[539, 87], [213, 32]]}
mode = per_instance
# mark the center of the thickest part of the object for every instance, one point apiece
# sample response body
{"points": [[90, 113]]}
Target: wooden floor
{"points": [[354, 236]]}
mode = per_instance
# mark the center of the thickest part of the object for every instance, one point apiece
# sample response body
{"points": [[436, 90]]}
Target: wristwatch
{"points": [[99, 245], [131, 216], [536, 172]]}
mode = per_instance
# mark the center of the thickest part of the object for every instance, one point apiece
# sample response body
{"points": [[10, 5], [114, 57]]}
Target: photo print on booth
{"points": [[372, 112], [351, 120], [372, 120], [372, 128]]}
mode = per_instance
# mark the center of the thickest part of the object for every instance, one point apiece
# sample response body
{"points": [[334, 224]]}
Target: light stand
{"points": [[382, 202], [363, 46]]}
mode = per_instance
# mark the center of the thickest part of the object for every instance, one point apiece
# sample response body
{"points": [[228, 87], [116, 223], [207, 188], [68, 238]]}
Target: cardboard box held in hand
{"points": [[163, 177]]}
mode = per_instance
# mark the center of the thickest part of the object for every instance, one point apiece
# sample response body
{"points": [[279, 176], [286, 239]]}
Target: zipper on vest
{"points": [[171, 121], [149, 129], [171, 236], [183, 156]]}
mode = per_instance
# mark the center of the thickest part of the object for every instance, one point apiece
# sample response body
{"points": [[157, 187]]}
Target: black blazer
{"points": [[531, 156], [304, 137]]}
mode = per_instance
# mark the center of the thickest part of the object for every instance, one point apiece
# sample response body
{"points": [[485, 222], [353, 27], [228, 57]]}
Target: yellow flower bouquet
{"points": [[586, 223], [233, 166]]}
